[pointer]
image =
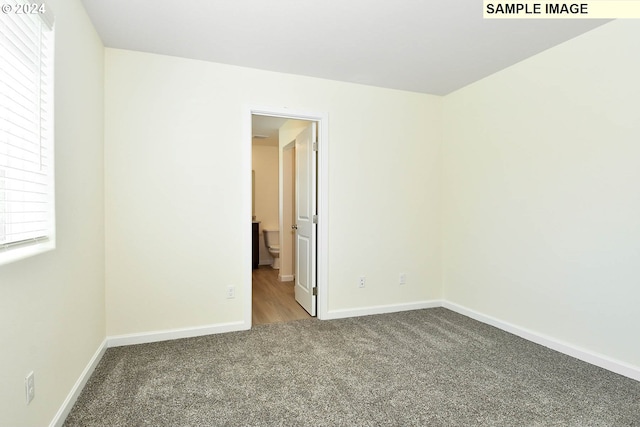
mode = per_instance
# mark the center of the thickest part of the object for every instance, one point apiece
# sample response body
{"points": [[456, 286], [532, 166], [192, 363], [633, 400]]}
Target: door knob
{"points": [[294, 227]]}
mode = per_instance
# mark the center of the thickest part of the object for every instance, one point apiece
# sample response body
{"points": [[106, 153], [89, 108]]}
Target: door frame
{"points": [[287, 199], [322, 199]]}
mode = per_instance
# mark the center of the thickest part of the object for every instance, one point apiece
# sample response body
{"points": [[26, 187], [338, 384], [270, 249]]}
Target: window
{"points": [[27, 223]]}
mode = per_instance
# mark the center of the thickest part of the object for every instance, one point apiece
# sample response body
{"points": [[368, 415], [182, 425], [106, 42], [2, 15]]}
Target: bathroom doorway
{"points": [[274, 285]]}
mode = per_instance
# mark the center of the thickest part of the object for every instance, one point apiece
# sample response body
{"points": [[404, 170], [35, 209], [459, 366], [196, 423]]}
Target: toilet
{"points": [[272, 242]]}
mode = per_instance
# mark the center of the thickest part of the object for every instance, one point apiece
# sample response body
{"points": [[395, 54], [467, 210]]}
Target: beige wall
{"points": [[265, 165], [174, 158], [541, 205], [52, 313]]}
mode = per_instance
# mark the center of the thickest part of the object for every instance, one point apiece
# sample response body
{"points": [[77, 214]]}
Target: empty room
{"points": [[453, 213]]}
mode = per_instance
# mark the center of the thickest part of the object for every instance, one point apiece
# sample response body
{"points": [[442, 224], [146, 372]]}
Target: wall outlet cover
{"points": [[231, 291]]}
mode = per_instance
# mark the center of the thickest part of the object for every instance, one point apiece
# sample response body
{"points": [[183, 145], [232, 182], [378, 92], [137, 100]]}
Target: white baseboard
{"points": [[286, 277], [68, 403], [381, 309], [593, 358], [174, 334]]}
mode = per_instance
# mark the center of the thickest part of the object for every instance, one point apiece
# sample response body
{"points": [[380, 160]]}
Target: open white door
{"points": [[305, 211]]}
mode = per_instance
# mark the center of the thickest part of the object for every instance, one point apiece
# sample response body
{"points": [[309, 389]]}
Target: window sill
{"points": [[10, 255]]}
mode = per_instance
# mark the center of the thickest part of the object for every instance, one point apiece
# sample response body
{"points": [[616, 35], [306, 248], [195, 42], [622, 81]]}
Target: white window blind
{"points": [[26, 125]]}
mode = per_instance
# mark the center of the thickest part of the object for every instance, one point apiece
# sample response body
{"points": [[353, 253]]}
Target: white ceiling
{"points": [[428, 46]]}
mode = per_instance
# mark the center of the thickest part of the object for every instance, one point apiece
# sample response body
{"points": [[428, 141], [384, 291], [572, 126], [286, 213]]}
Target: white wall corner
{"points": [[590, 357], [67, 405]]}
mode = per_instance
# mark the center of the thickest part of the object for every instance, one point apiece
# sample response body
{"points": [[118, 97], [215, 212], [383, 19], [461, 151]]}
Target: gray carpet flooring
{"points": [[428, 367]]}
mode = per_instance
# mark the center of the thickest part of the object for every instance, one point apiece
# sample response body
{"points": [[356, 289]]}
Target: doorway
{"points": [[271, 292]]}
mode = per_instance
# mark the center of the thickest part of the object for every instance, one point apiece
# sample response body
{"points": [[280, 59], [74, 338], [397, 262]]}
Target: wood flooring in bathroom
{"points": [[272, 300]]}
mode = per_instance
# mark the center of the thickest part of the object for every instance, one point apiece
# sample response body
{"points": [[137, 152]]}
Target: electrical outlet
{"points": [[231, 291], [361, 282], [30, 387], [403, 278]]}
